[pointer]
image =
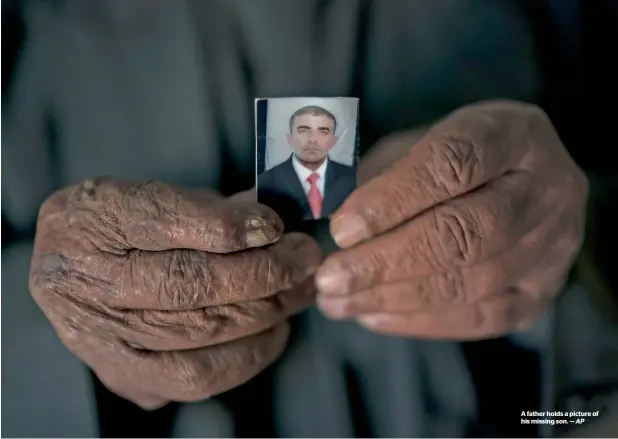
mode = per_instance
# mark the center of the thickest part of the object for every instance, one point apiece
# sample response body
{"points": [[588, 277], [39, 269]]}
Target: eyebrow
{"points": [[306, 127]]}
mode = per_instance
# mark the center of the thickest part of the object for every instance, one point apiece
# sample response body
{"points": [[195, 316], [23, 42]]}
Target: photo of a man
{"points": [[309, 184]]}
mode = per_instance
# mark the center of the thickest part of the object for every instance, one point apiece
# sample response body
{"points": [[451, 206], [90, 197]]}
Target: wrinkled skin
{"points": [[168, 294], [172, 294], [468, 235]]}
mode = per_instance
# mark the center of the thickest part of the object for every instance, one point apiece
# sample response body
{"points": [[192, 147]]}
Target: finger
{"points": [[543, 253], [461, 287], [196, 280], [182, 330], [248, 196], [121, 215], [492, 317], [198, 374], [177, 279], [471, 147], [219, 324], [459, 233], [184, 376]]}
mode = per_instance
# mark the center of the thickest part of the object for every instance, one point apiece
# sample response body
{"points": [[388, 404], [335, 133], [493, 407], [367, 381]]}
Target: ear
{"points": [[290, 143], [334, 141]]}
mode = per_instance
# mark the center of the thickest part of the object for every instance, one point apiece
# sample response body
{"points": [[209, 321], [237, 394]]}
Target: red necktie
{"points": [[314, 195]]}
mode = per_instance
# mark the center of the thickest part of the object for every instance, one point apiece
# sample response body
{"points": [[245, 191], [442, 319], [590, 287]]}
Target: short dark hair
{"points": [[314, 110]]}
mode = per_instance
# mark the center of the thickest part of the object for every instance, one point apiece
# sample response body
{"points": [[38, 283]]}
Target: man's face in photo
{"points": [[312, 137]]}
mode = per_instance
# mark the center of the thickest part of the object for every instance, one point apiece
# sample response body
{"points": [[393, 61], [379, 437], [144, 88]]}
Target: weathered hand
{"points": [[468, 236], [168, 294]]}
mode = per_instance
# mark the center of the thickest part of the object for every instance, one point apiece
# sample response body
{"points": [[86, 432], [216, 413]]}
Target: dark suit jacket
{"points": [[281, 189]]}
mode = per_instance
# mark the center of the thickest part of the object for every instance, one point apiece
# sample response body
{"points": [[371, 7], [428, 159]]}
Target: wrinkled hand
{"points": [[468, 236], [168, 294]]}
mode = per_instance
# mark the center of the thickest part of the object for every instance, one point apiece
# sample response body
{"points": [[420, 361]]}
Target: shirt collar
{"points": [[303, 173]]}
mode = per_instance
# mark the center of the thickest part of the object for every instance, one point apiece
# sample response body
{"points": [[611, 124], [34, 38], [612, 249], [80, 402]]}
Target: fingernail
{"points": [[260, 237], [348, 230], [332, 279], [333, 308], [259, 232]]}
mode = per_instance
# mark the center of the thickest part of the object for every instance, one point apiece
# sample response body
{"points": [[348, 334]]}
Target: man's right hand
{"points": [[168, 295]]}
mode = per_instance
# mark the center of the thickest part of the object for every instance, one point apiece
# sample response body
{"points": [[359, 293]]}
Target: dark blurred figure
{"points": [[158, 90]]}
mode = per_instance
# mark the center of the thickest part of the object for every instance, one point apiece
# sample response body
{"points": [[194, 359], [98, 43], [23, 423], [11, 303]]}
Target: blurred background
{"points": [[105, 87]]}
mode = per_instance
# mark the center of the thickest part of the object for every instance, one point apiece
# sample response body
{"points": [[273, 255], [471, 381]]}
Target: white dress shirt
{"points": [[304, 173]]}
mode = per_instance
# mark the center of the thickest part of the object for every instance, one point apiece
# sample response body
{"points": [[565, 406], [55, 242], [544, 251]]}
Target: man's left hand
{"points": [[469, 235]]}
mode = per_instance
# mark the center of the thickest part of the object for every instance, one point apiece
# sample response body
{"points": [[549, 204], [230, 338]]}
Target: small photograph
{"points": [[306, 155]]}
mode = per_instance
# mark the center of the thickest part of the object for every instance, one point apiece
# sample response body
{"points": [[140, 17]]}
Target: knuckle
{"points": [[457, 162], [140, 194], [449, 288], [70, 197], [83, 216], [536, 115], [185, 283], [458, 240], [531, 116], [145, 208], [85, 191], [149, 200], [48, 273], [66, 294]]}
